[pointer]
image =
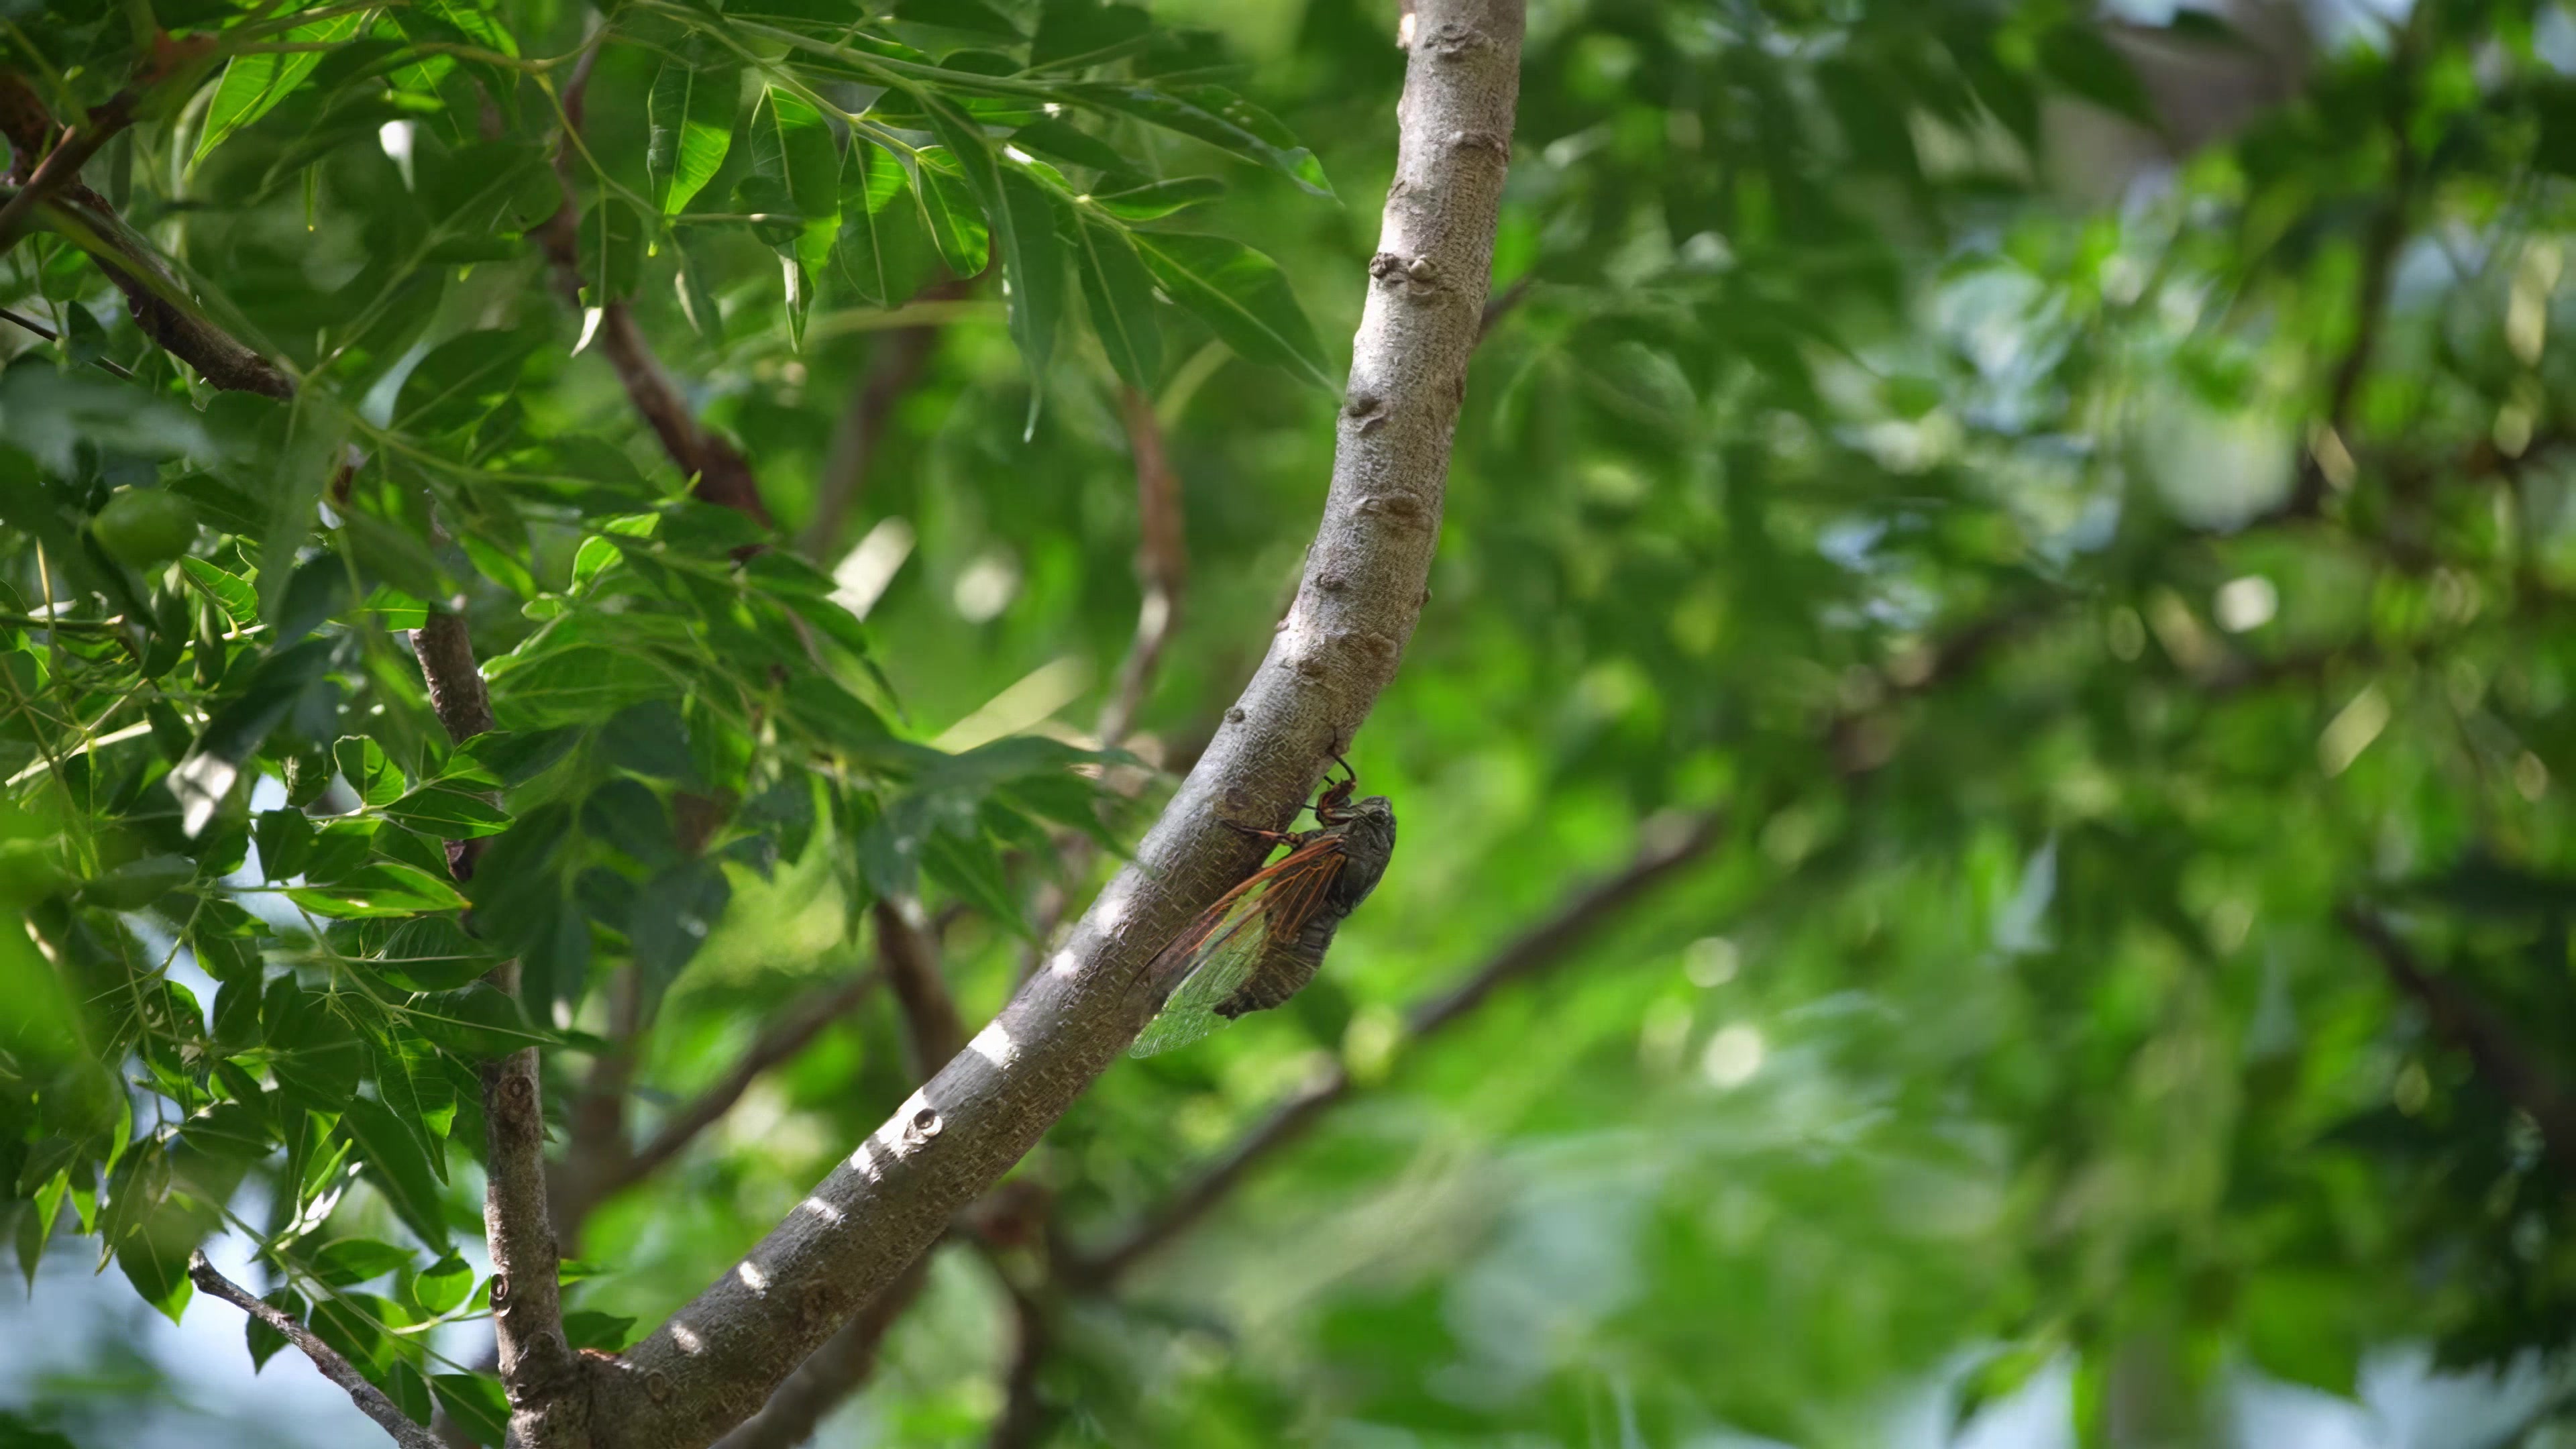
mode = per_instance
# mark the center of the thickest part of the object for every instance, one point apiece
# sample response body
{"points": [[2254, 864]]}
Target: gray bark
{"points": [[714, 1363]]}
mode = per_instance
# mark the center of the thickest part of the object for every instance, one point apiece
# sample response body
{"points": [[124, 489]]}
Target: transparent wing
{"points": [[1219, 950]]}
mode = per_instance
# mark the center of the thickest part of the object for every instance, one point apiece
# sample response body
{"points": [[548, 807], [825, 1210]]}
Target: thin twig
{"points": [[720, 473], [1505, 301], [1162, 565], [2471, 1026], [536, 1362], [2370, 290], [105, 364], [371, 1401], [1551, 943], [1024, 1419], [61, 166]]}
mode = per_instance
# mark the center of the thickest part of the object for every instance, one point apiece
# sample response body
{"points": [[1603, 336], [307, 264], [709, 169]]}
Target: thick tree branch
{"points": [[1546, 945], [2470, 1026], [713, 1363], [371, 1401], [847, 1359]]}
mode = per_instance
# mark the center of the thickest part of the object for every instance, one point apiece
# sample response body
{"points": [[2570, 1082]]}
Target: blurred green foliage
{"points": [[2101, 568]]}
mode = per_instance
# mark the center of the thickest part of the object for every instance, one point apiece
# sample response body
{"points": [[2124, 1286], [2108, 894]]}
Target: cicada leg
{"points": [[1267, 837]]}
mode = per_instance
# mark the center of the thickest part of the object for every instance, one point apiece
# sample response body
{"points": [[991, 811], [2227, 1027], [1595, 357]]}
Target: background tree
{"points": [[1981, 809]]}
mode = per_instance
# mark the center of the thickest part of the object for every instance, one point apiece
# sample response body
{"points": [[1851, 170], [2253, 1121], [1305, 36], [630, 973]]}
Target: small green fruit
{"points": [[141, 527]]}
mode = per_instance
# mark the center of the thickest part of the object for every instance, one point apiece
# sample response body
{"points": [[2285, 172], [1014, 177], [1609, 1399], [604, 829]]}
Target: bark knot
{"points": [[1400, 507], [1454, 40], [1417, 278], [1367, 410]]}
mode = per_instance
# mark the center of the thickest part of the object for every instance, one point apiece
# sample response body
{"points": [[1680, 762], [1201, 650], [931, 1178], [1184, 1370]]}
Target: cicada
{"points": [[1265, 939]]}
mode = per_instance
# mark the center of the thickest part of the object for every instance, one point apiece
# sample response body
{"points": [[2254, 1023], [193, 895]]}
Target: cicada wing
{"points": [[1219, 951]]}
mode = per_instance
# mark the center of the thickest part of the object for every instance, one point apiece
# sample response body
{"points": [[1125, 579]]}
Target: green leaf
{"points": [[1120, 294], [352, 1261], [269, 693], [957, 228], [254, 84], [588, 1328], [672, 916], [690, 114], [2077, 57], [476, 1021], [284, 839], [877, 228], [791, 147], [449, 813], [433, 953], [968, 866], [317, 1056], [233, 595], [698, 300], [393, 1161], [1051, 137], [441, 1286], [158, 1269], [461, 380], [363, 764], [138, 883], [1024, 223], [968, 15], [1087, 32], [476, 1403], [379, 888], [1155, 200], [1216, 116], [315, 439], [612, 251], [1241, 295]]}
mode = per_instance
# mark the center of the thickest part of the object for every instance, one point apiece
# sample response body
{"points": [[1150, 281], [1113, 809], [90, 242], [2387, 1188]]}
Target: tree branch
{"points": [[715, 1360], [1162, 565], [784, 1038], [1024, 1418], [819, 1385], [900, 360], [933, 1031], [538, 1366], [61, 166], [2470, 1026], [720, 472], [1546, 945], [371, 1401]]}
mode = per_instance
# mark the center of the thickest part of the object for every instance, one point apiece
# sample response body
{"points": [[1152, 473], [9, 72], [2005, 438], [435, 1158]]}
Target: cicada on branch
{"points": [[1265, 939]]}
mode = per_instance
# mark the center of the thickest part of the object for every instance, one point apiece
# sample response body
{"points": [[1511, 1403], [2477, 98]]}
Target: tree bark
{"points": [[714, 1362]]}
